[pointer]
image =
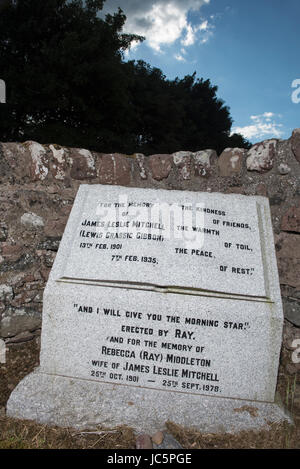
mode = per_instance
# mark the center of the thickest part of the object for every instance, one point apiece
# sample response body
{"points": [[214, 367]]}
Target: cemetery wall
{"points": [[38, 184]]}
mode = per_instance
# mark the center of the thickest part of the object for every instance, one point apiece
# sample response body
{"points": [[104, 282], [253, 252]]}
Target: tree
{"points": [[207, 119], [238, 141], [67, 83], [180, 114], [4, 4], [63, 68], [158, 114]]}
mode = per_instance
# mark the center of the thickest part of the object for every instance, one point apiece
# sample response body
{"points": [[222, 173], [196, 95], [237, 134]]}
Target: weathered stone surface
{"points": [[47, 257], [39, 167], [169, 442], [277, 198], [81, 318], [235, 190], [51, 244], [204, 162], [140, 159], [25, 297], [291, 308], [293, 369], [11, 252], [288, 257], [290, 334], [284, 169], [252, 349], [261, 156], [2, 360], [82, 164], [3, 232], [157, 438], [22, 337], [160, 166], [6, 292], [32, 220], [106, 404], [183, 162], [296, 294], [59, 164], [71, 294], [17, 262], [21, 196], [240, 210], [18, 320], [54, 228], [295, 142], [261, 189], [230, 162], [291, 219], [114, 169], [17, 161]]}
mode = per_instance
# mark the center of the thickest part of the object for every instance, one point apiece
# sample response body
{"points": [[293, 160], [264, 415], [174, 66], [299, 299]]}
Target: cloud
{"points": [[205, 30], [179, 57], [190, 36], [263, 125], [162, 22], [204, 26]]}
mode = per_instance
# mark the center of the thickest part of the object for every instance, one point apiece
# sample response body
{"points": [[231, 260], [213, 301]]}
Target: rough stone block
{"points": [[160, 166], [230, 162], [115, 169], [295, 142], [261, 156]]}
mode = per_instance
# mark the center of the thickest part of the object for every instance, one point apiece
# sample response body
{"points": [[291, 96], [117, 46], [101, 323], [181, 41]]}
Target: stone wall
{"points": [[38, 184]]}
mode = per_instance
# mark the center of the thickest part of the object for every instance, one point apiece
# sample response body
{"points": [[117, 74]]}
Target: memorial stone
{"points": [[161, 305]]}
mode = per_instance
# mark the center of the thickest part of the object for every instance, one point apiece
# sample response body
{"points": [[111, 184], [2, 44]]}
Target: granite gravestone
{"points": [[161, 305]]}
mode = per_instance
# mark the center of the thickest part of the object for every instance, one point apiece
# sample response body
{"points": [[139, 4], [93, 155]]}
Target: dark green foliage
{"points": [[67, 83], [238, 141]]}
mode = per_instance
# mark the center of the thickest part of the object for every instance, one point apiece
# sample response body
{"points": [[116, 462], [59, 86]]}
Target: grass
{"points": [[290, 392], [16, 434], [23, 434]]}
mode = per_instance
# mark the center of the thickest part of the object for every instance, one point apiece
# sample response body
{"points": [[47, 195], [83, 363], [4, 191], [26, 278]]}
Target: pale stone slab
{"points": [[178, 335], [192, 344], [212, 244], [67, 402]]}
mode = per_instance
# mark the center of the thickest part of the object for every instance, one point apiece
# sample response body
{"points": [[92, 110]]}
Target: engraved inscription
{"points": [[152, 242]]}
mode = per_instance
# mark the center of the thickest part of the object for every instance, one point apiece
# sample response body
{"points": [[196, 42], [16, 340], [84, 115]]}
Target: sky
{"points": [[248, 48]]}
